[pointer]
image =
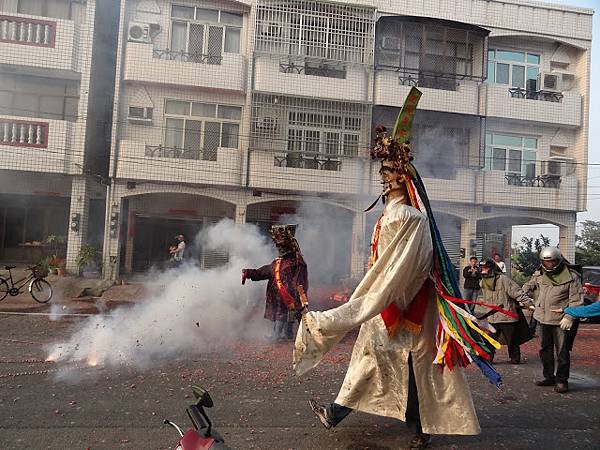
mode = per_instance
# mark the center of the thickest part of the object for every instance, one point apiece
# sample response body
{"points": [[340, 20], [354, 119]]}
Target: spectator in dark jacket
{"points": [[472, 276]]}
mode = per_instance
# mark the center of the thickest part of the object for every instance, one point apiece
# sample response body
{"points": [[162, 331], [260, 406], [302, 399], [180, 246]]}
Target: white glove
{"points": [[566, 322]]}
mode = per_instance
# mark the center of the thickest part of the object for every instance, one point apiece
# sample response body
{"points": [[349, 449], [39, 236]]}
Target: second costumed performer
{"points": [[415, 337]]}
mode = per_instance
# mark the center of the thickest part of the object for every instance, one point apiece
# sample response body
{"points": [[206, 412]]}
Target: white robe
{"points": [[377, 378]]}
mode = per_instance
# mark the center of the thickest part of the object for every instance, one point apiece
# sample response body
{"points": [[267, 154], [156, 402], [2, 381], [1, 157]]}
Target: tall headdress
{"points": [[284, 236], [459, 339]]}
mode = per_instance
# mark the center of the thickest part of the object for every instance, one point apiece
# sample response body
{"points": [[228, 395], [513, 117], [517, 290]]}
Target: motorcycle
{"points": [[202, 436]]}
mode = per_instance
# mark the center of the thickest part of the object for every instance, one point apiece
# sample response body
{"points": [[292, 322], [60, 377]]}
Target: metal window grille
{"points": [[315, 30], [430, 54], [309, 133]]}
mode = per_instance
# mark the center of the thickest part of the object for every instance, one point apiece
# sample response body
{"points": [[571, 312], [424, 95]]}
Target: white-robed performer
{"points": [[395, 369]]}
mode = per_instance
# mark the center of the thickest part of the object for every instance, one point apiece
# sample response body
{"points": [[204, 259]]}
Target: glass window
{"points": [[204, 109], [174, 133], [332, 143], [488, 138], [491, 76], [229, 137], [488, 158], [509, 55], [232, 40], [184, 12], [232, 18], [499, 159], [351, 144], [518, 76], [533, 59], [177, 107], [503, 139], [5, 102], [230, 112], [502, 73], [312, 144], [514, 161], [532, 72], [31, 7], [529, 142], [207, 15], [59, 9], [179, 37], [529, 163], [25, 104], [193, 134]]}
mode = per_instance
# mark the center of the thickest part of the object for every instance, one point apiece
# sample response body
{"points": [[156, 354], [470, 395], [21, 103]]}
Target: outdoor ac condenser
{"points": [[138, 32]]}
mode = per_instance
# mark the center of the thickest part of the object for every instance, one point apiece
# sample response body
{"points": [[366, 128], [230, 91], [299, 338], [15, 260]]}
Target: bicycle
{"points": [[39, 289]]}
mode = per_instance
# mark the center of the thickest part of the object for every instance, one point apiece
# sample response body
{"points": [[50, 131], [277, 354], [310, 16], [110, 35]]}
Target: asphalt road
{"points": [[259, 404]]}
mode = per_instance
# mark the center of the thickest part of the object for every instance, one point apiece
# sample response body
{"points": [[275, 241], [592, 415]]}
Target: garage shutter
{"points": [[213, 258]]}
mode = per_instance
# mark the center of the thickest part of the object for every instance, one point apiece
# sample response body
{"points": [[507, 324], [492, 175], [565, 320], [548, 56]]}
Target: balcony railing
{"points": [[313, 161], [158, 151], [21, 133], [546, 96], [543, 181], [194, 57], [26, 31]]}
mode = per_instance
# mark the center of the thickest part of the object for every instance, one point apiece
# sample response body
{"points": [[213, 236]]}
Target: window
{"points": [[203, 35], [512, 68], [198, 129], [44, 98], [318, 134], [511, 154], [58, 9]]}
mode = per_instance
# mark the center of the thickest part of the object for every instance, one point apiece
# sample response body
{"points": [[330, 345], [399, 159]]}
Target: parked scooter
{"points": [[203, 437]]}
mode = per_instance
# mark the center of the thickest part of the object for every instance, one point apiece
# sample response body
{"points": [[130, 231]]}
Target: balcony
{"points": [[139, 161], [307, 172], [30, 41], [540, 181], [444, 94], [145, 64], [323, 79], [539, 106], [37, 145]]}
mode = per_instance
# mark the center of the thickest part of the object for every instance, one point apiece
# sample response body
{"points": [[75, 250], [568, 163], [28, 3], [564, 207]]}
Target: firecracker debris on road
{"points": [[259, 403]]}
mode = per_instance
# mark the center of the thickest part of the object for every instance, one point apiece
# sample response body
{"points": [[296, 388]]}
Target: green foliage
{"points": [[56, 244], [587, 250], [88, 256], [518, 277], [525, 258]]}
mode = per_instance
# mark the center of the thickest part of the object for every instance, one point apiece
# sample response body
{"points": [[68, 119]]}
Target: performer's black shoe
{"points": [[561, 388], [321, 413], [546, 382], [419, 442]]}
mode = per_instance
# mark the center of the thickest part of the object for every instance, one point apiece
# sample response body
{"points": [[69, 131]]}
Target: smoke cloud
{"points": [[191, 312]]}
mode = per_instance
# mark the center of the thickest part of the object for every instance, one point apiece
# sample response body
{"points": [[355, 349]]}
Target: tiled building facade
{"points": [[251, 109], [52, 139]]}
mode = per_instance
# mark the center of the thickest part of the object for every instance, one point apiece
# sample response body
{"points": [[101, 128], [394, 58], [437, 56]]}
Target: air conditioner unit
{"points": [[139, 32], [549, 82], [140, 115], [390, 43]]}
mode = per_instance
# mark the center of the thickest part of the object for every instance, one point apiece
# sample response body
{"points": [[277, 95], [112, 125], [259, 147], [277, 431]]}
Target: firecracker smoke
{"points": [[192, 311]]}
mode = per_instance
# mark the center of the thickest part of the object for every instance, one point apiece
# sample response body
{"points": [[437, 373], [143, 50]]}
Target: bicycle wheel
{"points": [[3, 289], [40, 290]]}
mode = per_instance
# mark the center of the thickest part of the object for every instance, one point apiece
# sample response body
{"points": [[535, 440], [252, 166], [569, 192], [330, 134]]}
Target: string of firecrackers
{"points": [[45, 371]]}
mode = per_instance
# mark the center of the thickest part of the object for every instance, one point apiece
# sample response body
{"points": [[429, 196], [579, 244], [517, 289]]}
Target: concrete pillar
{"points": [[507, 250], [357, 257], [112, 236], [468, 229], [78, 220], [566, 239], [240, 214]]}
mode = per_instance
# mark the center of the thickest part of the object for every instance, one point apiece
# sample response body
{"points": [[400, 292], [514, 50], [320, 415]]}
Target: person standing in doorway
{"points": [[178, 251], [472, 277]]}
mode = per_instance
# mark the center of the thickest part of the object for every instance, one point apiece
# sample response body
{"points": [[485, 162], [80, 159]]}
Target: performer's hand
{"points": [[559, 310], [566, 322], [244, 276]]}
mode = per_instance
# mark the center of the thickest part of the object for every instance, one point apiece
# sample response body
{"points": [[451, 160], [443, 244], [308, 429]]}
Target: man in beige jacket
{"points": [[555, 286], [499, 290]]}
